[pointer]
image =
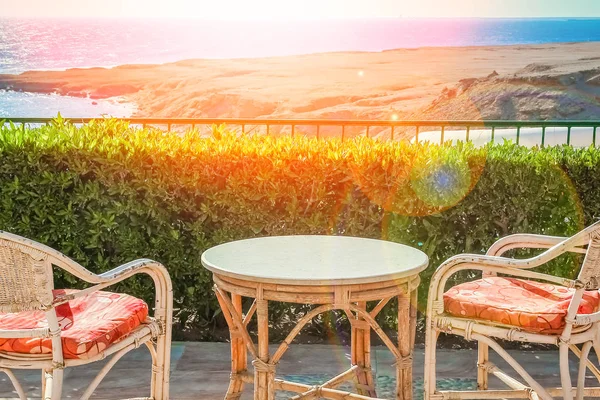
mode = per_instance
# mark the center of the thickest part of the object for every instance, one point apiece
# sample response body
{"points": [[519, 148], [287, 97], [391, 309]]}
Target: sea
{"points": [[57, 44]]}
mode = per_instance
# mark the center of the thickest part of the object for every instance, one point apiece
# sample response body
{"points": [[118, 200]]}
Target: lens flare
{"points": [[441, 184], [418, 181]]}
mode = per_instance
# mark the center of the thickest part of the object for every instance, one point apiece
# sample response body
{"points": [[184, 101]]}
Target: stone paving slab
{"points": [[201, 371]]}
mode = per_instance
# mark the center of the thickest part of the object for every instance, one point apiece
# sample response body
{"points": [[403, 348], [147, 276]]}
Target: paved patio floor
{"points": [[201, 371]]}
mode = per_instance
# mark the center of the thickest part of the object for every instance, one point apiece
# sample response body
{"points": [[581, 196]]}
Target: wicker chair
{"points": [[532, 307], [47, 329]]}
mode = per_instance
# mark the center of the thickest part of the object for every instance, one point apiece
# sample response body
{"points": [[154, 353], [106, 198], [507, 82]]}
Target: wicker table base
{"points": [[356, 275], [350, 298]]}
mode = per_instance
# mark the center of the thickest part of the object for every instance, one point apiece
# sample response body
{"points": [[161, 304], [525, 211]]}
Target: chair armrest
{"points": [[156, 270], [585, 319], [163, 299], [510, 265], [525, 240], [126, 270]]}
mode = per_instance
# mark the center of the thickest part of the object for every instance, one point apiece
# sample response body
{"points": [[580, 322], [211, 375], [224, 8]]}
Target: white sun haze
{"points": [[203, 9], [266, 9], [301, 9]]}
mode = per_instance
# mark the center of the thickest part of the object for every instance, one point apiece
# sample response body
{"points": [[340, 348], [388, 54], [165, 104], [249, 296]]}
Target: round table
{"points": [[331, 272]]}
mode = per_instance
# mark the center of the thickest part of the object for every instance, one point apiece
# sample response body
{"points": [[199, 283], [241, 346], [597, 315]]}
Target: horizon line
{"points": [[301, 18]]}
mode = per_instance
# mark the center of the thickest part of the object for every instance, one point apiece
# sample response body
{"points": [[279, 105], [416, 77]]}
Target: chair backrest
{"points": [[26, 279], [589, 274]]}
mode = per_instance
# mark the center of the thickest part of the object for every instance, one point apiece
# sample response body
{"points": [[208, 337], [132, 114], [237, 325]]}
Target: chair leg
{"points": [[596, 345], [431, 337], [565, 377], [483, 357], [53, 384], [15, 382], [160, 370], [43, 384], [585, 351]]}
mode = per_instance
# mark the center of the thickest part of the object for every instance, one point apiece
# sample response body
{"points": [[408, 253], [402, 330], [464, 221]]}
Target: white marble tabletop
{"points": [[314, 260]]}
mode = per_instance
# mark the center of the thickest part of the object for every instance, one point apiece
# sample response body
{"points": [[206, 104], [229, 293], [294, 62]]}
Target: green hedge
{"points": [[106, 193]]}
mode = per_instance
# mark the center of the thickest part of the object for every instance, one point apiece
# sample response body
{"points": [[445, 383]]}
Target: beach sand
{"points": [[425, 83]]}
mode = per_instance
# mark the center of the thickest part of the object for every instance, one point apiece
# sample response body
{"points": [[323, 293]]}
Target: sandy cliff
{"points": [[536, 92]]}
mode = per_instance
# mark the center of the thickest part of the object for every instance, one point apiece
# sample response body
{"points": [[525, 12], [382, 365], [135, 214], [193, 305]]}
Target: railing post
{"points": [[318, 131], [468, 133], [392, 133], [594, 136], [168, 127], [543, 135], [23, 127], [493, 134], [442, 135], [293, 129], [367, 133], [417, 134], [518, 134], [243, 129], [568, 135], [343, 132], [268, 126]]}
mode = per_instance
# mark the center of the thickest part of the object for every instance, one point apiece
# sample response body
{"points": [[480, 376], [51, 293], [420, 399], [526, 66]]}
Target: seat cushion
{"points": [[533, 306], [89, 324]]}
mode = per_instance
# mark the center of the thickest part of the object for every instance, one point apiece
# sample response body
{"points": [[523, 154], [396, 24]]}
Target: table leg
{"points": [[239, 363], [407, 316], [264, 373], [361, 354]]}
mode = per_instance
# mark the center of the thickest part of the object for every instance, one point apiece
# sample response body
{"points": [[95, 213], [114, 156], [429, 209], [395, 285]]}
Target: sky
{"points": [[269, 9]]}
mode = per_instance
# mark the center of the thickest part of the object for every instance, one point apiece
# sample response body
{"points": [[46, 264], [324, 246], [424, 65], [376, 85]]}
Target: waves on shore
{"points": [[26, 104]]}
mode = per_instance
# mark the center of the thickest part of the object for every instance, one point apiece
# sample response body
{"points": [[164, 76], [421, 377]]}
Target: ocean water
{"points": [[23, 104], [27, 44], [64, 43]]}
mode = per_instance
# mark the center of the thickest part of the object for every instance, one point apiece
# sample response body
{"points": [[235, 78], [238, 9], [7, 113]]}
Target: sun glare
{"points": [[307, 9], [255, 10]]}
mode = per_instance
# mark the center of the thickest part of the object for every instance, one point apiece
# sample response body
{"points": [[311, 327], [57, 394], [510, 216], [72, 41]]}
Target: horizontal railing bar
{"points": [[324, 122]]}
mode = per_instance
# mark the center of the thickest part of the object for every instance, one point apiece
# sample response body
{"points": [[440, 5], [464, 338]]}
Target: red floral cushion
{"points": [[534, 306], [89, 324]]}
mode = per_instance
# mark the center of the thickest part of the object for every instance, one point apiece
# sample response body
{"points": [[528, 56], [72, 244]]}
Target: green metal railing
{"points": [[410, 129]]}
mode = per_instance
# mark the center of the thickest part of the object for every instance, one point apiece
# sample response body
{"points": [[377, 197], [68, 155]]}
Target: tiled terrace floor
{"points": [[201, 371]]}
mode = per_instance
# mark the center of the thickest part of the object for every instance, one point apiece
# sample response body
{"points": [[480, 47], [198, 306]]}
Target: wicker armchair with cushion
{"points": [[53, 329], [520, 305]]}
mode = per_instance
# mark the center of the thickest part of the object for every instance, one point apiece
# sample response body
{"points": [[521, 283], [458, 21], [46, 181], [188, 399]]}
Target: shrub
{"points": [[106, 192]]}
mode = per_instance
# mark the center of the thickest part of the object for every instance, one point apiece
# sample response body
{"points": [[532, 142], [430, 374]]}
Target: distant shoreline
{"points": [[111, 66]]}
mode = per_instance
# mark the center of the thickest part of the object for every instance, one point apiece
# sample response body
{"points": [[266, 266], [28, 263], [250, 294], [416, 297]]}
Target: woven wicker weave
{"points": [[590, 270], [24, 278]]}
